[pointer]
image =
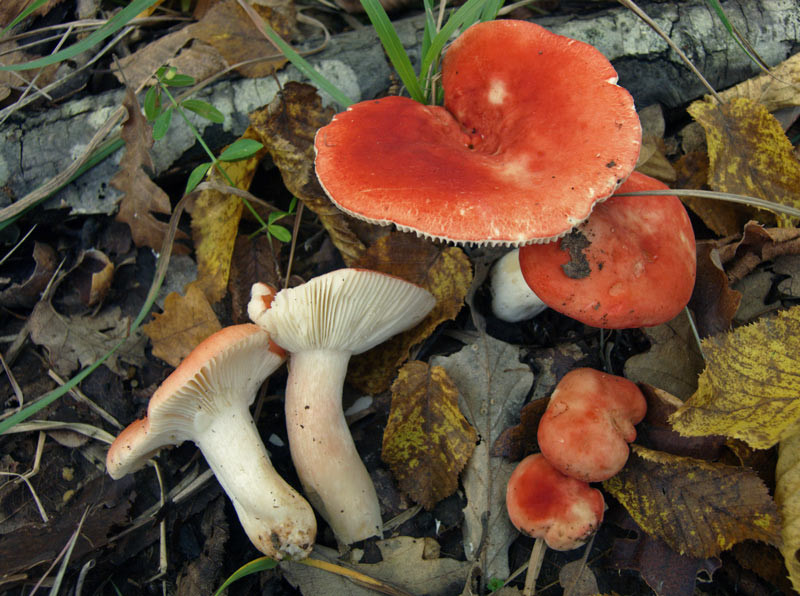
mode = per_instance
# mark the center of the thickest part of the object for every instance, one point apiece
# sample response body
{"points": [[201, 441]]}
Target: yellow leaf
{"points": [[697, 507], [185, 322], [444, 271], [427, 440], [749, 152], [287, 128], [787, 495], [750, 389], [215, 223]]}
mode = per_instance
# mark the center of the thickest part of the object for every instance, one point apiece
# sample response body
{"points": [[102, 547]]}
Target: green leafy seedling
{"points": [[254, 566]]}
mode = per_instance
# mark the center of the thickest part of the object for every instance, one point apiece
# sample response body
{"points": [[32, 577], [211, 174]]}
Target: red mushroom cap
{"points": [[544, 503], [589, 422], [533, 133], [632, 264]]}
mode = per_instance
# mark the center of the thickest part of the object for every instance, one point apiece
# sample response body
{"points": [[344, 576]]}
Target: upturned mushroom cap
{"points": [[533, 133], [231, 363], [348, 310], [585, 431], [632, 264], [206, 400], [544, 503]]}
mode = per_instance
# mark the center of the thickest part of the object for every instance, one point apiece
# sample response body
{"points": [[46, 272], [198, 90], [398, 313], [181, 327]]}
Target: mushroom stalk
{"points": [[335, 480], [274, 516]]}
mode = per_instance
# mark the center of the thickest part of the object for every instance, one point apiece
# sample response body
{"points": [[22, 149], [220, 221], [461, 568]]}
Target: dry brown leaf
{"points": [[443, 271], [755, 245], [427, 440], [142, 64], [9, 9], [750, 388], [673, 361], [776, 90], [228, 28], [253, 260], [81, 339], [517, 441], [713, 302], [215, 224], [185, 322], [287, 128], [20, 79], [699, 508], [25, 293], [141, 197], [749, 153]]}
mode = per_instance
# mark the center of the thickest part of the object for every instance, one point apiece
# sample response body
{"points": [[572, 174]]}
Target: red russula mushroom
{"points": [[632, 264], [206, 399], [322, 323], [589, 422], [534, 131], [544, 503]]}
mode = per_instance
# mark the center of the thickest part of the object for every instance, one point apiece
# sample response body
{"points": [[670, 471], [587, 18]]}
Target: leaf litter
{"points": [[486, 374]]}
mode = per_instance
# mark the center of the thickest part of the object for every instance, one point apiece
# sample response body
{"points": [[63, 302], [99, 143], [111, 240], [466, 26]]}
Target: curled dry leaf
{"points": [[787, 495], [427, 440], [749, 153], [443, 271], [287, 128], [754, 245], [750, 388], [699, 508], [713, 302], [185, 322], [253, 259], [774, 90], [25, 293]]}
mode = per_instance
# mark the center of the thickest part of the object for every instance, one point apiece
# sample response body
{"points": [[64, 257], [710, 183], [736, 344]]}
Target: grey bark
{"points": [[35, 148]]}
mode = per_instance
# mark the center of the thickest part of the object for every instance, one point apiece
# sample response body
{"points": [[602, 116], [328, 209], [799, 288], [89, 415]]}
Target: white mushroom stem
{"points": [[512, 298], [325, 457], [275, 517]]}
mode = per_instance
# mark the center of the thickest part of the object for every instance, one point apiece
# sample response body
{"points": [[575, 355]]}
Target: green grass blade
{"points": [[468, 14], [430, 28], [394, 48], [490, 10], [737, 37], [304, 67], [117, 22], [254, 566], [28, 10]]}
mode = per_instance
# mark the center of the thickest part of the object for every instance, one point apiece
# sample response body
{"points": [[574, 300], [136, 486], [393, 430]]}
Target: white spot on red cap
{"points": [[497, 92]]}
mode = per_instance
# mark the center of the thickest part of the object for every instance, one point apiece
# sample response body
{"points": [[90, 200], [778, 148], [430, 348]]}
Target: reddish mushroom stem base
{"points": [[325, 457], [275, 517]]}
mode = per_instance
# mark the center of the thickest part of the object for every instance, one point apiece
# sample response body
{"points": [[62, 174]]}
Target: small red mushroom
{"points": [[589, 422], [534, 131], [544, 503], [632, 264]]}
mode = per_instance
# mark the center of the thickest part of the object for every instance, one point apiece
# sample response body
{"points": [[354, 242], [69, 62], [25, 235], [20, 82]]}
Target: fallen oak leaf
{"points": [[141, 197], [184, 323], [80, 340], [750, 388], [427, 441], [697, 507]]}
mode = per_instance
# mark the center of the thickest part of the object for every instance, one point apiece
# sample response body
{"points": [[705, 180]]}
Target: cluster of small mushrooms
{"points": [[519, 157], [583, 437]]}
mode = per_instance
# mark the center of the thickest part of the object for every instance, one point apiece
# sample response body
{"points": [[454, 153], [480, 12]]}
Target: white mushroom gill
{"points": [[322, 323]]}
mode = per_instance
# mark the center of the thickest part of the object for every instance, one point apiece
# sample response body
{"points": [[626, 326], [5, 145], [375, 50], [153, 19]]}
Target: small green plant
{"points": [[494, 584]]}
